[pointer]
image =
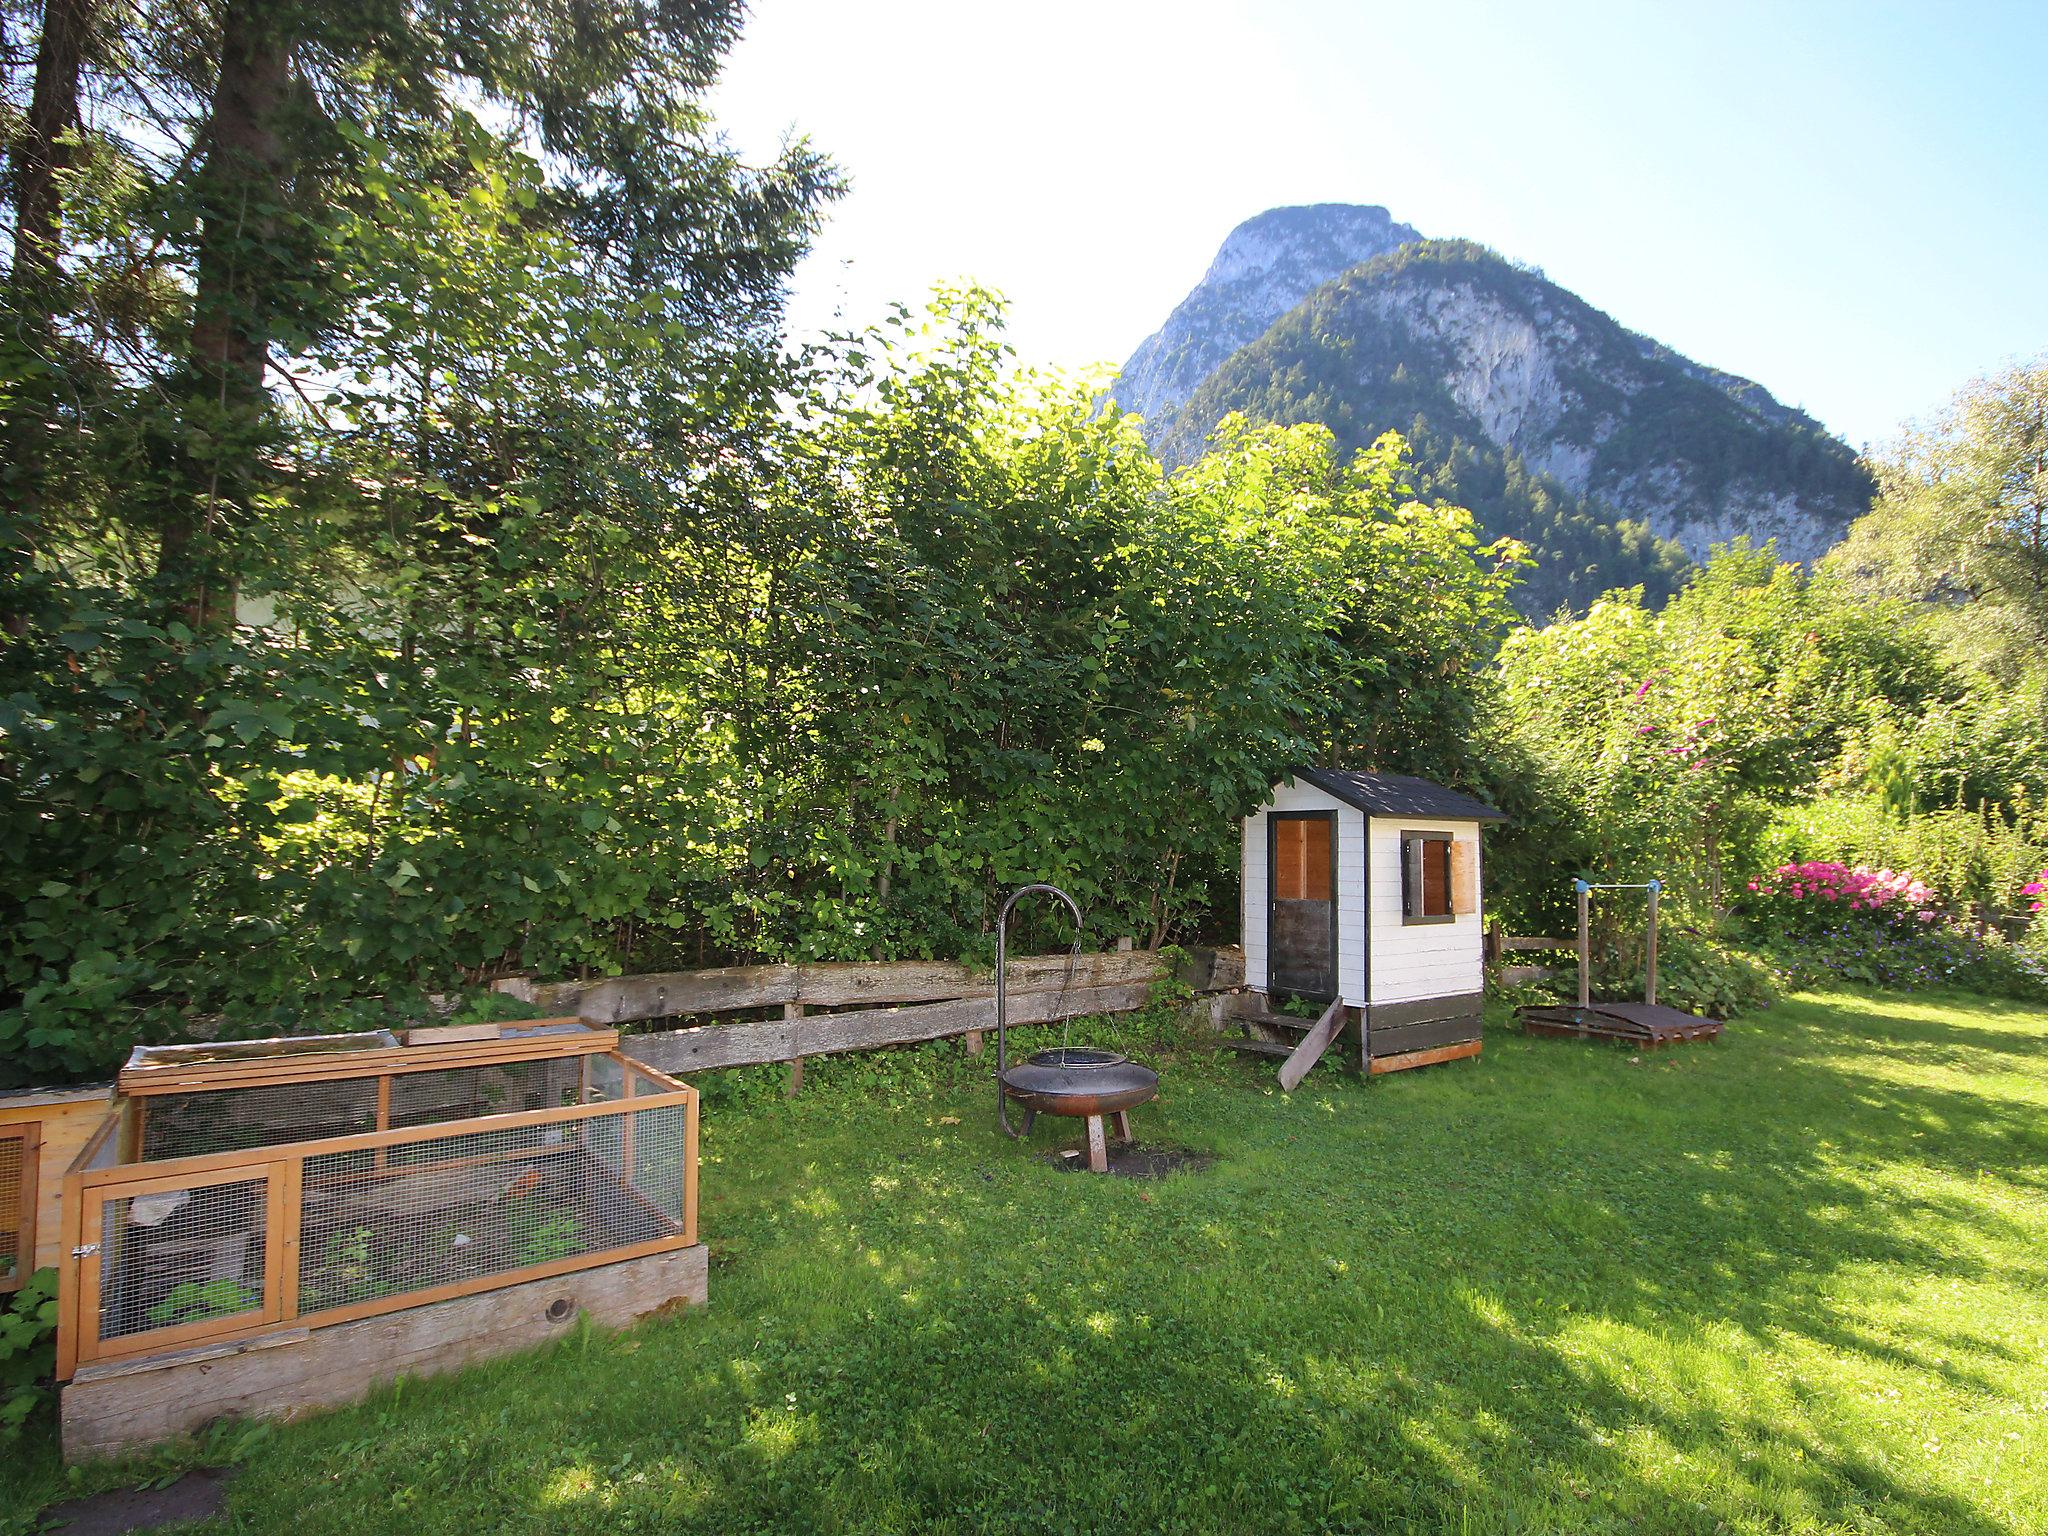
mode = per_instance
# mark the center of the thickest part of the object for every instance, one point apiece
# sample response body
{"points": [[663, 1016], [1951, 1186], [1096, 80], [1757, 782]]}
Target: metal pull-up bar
{"points": [[1586, 888]]}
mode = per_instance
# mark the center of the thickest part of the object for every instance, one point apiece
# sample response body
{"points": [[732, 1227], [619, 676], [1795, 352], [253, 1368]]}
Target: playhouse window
{"points": [[1301, 858], [1425, 877]]}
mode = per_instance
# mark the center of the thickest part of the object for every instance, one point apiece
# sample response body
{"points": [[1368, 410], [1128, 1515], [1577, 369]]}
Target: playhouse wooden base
{"points": [[1407, 1059], [128, 1404]]}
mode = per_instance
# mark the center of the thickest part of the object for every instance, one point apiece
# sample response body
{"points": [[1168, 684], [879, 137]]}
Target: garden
{"points": [[429, 565], [1785, 1282]]}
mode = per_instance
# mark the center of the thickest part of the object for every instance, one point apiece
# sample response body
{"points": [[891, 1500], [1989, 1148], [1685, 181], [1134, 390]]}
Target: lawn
{"points": [[1790, 1281]]}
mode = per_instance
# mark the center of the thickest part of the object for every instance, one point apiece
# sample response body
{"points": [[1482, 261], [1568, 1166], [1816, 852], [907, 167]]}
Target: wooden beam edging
{"points": [[840, 984], [707, 1047]]}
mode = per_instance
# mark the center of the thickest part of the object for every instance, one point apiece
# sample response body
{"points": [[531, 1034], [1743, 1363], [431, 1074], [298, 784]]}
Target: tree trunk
{"points": [[40, 157], [243, 183]]}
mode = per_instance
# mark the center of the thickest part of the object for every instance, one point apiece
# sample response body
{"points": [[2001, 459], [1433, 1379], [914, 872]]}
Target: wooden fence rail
{"points": [[909, 1001], [707, 1046]]}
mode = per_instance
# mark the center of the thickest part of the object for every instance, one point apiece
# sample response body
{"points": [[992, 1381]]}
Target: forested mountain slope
{"points": [[1613, 457]]}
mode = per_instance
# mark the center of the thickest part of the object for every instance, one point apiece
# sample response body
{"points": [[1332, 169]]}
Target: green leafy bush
{"points": [[28, 1350], [1968, 856], [1941, 955], [1696, 973]]}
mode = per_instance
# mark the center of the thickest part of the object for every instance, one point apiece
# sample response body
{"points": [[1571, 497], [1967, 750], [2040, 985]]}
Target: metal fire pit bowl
{"points": [[1077, 1080], [1080, 1081]]}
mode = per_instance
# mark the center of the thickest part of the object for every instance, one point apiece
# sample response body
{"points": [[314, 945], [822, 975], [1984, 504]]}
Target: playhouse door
{"points": [[1301, 928]]}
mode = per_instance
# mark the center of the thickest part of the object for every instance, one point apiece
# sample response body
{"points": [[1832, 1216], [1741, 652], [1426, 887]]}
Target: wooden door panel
{"points": [[1301, 927]]}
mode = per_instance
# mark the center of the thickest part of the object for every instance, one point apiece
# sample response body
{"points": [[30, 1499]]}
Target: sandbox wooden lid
{"points": [[204, 1065]]}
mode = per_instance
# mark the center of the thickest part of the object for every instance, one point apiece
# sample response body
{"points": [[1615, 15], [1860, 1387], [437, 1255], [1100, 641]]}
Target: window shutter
{"points": [[1464, 877]]}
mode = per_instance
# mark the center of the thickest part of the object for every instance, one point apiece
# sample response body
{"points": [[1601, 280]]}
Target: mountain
{"points": [[1616, 459], [1269, 264]]}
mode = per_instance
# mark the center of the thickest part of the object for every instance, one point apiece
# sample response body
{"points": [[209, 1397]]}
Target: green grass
{"points": [[1796, 1280]]}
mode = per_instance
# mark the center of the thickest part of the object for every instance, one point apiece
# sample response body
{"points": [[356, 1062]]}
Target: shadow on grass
{"points": [[1555, 1290]]}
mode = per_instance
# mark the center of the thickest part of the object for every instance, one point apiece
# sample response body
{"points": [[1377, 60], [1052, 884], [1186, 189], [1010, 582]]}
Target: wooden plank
{"points": [[71, 1232], [1453, 1005], [707, 1047], [109, 1409], [482, 1284], [690, 1173], [586, 1040], [1257, 1048], [1424, 1036], [290, 1203], [1312, 1046], [85, 1311], [671, 994], [151, 1064], [932, 981], [1507, 943], [844, 984], [447, 1034], [1384, 1064]]}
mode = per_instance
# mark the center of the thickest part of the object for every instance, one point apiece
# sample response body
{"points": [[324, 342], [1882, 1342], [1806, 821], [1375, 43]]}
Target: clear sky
{"points": [[1845, 202]]}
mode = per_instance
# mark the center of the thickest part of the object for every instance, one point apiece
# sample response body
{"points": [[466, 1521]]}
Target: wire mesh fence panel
{"points": [[607, 1080], [16, 1246], [460, 1209], [463, 1093], [237, 1119], [173, 1257], [661, 1160]]}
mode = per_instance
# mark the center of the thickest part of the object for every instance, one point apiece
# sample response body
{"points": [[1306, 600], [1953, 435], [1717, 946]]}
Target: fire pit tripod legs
{"points": [[1098, 1140], [1098, 1145]]}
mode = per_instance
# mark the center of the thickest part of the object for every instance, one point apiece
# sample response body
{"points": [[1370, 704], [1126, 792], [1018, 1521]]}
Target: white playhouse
{"points": [[1363, 890]]}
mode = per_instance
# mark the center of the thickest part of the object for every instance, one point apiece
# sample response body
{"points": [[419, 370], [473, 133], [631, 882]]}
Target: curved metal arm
{"points": [[1002, 988]]}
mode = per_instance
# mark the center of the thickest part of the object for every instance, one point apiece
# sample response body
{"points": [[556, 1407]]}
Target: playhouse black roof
{"points": [[1398, 794]]}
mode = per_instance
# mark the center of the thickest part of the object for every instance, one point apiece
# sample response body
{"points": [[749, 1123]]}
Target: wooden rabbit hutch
{"points": [[266, 1226]]}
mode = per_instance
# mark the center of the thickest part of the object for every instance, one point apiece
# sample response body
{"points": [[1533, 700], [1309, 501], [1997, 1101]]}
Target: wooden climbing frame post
{"points": [[1650, 952], [1653, 889], [1585, 944]]}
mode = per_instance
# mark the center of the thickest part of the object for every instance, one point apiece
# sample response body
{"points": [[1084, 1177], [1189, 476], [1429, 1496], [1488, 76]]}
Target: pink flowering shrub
{"points": [[2037, 889], [1820, 893], [1825, 923]]}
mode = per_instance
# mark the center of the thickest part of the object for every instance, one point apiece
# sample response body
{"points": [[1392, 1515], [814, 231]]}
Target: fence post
{"points": [[796, 1065]]}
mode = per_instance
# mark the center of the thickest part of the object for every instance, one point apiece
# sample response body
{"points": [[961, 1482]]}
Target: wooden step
{"points": [[1259, 1048], [1286, 1021]]}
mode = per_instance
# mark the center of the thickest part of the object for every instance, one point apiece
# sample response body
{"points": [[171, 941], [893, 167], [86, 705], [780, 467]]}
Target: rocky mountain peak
{"points": [[1267, 265], [1613, 458]]}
